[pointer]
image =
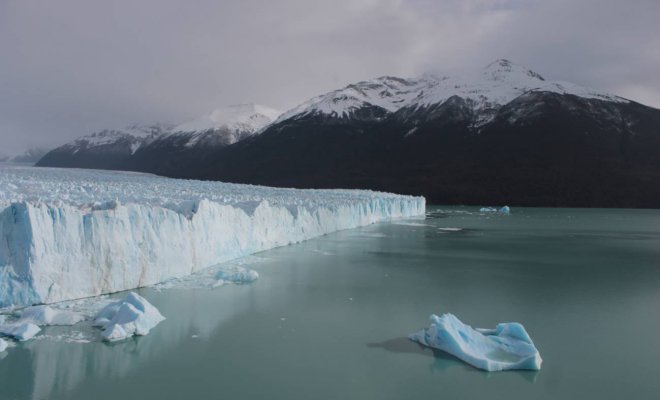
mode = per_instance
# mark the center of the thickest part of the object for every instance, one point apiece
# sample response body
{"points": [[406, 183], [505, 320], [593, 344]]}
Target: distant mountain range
{"points": [[502, 135], [141, 147], [30, 156]]}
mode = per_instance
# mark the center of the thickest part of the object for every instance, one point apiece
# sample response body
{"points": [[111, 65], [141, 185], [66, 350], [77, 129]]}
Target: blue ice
{"points": [[508, 346]]}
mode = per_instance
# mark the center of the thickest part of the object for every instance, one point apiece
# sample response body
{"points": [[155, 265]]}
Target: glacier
{"points": [[506, 347], [122, 319], [68, 234]]}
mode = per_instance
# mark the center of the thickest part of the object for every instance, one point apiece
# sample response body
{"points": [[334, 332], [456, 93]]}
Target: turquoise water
{"points": [[328, 318]]}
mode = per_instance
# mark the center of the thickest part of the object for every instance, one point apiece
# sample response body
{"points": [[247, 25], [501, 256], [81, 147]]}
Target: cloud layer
{"points": [[70, 67]]}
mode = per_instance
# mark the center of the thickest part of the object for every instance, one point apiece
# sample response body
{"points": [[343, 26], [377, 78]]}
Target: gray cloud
{"points": [[70, 67]]}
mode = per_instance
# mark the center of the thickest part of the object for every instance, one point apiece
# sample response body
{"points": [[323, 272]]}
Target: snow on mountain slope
{"points": [[230, 124], [68, 234], [492, 87], [135, 135]]}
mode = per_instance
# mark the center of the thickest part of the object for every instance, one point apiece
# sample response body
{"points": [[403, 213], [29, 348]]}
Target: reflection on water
{"points": [[328, 318]]}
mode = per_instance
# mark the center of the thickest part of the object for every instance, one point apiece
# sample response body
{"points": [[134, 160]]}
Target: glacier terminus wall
{"points": [[67, 234]]}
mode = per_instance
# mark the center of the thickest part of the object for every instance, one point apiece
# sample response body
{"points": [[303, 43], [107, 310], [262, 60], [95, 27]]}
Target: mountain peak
{"points": [[248, 116], [504, 69]]}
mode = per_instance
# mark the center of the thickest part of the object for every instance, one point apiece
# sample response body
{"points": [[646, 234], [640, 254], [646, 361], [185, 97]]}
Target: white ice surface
{"points": [[67, 234], [122, 319], [506, 347]]}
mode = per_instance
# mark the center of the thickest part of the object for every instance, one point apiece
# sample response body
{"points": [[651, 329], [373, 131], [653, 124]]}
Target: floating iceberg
{"points": [[68, 234], [45, 315], [3, 345], [132, 316], [236, 275], [508, 346], [20, 331]]}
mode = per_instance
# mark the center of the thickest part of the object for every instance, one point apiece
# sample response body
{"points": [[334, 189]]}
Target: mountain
{"points": [[106, 149], [139, 147], [30, 156], [500, 135]]}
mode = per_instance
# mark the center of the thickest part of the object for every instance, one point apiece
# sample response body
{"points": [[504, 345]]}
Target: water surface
{"points": [[328, 318]]}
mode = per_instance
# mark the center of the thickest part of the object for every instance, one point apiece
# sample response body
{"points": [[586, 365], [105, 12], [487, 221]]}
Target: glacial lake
{"points": [[328, 318]]}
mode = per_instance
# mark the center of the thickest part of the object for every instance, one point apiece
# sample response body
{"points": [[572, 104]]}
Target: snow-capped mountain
{"points": [[133, 136], [500, 135], [485, 90], [125, 148], [237, 120]]}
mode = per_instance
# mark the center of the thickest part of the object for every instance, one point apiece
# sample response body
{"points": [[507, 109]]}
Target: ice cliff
{"points": [[67, 234]]}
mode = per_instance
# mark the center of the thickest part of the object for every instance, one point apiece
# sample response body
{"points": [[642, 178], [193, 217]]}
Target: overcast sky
{"points": [[70, 67]]}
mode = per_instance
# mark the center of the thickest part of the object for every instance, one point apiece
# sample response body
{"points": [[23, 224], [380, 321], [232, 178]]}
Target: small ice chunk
{"points": [[45, 315], [503, 210], [3, 345], [132, 316], [20, 331], [237, 275], [508, 346]]}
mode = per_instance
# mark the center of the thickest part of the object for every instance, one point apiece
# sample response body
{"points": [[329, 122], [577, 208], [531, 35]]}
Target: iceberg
{"points": [[506, 347], [3, 345], [46, 315], [20, 331], [67, 234], [237, 275], [132, 316]]}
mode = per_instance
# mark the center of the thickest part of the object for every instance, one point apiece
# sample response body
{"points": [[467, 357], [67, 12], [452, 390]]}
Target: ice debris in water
{"points": [[20, 331], [3, 345], [132, 316], [45, 315], [503, 210], [508, 346], [237, 275]]}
